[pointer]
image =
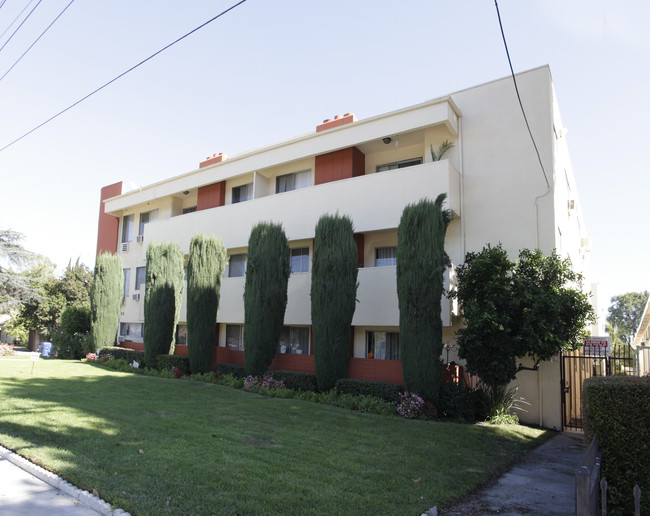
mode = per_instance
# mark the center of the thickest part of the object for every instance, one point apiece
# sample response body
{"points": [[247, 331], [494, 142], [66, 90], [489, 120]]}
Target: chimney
{"points": [[216, 158], [339, 120]]}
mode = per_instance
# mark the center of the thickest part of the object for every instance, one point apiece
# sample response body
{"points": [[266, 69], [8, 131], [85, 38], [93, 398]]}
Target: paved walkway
{"points": [[543, 483]]}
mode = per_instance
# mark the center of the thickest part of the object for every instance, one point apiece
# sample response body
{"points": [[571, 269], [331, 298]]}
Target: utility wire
{"points": [[36, 41], [123, 74], [16, 18], [2, 3], [21, 24], [512, 72]]}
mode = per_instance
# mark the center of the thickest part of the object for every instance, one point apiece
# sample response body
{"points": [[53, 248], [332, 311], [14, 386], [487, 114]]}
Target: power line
{"points": [[36, 41], [2, 3], [21, 24], [123, 74], [16, 18], [512, 72]]}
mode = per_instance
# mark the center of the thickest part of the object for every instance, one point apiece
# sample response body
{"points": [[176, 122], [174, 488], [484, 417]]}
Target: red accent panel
{"points": [[137, 346], [291, 362], [359, 239], [211, 196], [228, 356], [180, 351], [341, 164], [376, 370], [339, 120], [108, 225]]}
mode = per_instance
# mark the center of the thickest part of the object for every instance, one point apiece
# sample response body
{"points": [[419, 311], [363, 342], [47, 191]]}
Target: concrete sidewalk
{"points": [[543, 483], [29, 490]]}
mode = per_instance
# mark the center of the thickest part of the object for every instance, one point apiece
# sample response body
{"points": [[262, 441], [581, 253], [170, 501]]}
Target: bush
{"points": [[462, 403], [385, 391], [617, 410], [124, 353], [235, 370], [65, 345], [167, 362], [296, 380], [75, 319]]}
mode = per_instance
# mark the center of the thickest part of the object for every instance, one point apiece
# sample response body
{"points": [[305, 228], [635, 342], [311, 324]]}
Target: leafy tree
{"points": [[625, 313], [205, 268], [333, 297], [421, 263], [75, 283], [15, 288], [265, 295], [532, 307], [106, 296], [162, 299], [75, 319]]}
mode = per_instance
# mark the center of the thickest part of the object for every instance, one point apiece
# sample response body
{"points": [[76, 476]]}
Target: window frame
{"points": [[239, 329], [128, 226], [249, 193], [140, 281], [393, 260], [150, 216], [303, 262], [293, 176], [127, 282], [230, 271], [391, 345], [404, 163], [288, 335]]}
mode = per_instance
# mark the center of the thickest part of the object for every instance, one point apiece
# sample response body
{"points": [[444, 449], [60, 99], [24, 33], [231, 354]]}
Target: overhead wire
{"points": [[122, 74], [36, 40], [16, 18], [2, 3], [514, 80], [19, 26]]}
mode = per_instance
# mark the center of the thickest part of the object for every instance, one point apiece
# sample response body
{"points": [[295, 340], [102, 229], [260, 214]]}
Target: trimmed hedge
{"points": [[124, 353], [462, 403], [617, 409], [385, 391], [166, 362], [236, 370], [296, 380]]}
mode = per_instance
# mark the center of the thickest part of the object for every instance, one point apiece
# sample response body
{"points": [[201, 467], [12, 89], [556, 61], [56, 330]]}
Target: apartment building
{"points": [[497, 189]]}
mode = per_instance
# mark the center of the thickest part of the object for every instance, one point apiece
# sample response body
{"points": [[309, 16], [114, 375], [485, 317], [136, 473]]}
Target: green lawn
{"points": [[209, 449]]}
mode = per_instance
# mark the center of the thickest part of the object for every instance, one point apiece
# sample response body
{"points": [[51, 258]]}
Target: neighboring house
{"points": [[641, 343], [370, 170]]}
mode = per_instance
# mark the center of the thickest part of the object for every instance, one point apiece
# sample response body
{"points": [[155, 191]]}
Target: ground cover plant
{"points": [[153, 445]]}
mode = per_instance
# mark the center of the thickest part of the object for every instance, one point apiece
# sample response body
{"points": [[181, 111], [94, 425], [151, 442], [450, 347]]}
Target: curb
{"points": [[88, 499]]}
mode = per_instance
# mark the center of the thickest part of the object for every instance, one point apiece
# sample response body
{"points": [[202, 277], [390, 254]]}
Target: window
{"points": [[292, 181], [132, 330], [242, 193], [294, 339], [385, 256], [127, 281], [237, 266], [191, 209], [140, 277], [127, 228], [300, 259], [145, 218], [181, 335], [382, 345], [399, 164], [235, 337]]}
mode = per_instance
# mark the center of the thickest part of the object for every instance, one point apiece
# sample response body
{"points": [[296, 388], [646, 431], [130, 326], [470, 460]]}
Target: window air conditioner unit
{"points": [[140, 239], [136, 297], [571, 204], [125, 247]]}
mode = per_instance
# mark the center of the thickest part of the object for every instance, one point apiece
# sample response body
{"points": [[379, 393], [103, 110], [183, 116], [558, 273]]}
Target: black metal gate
{"points": [[576, 367]]}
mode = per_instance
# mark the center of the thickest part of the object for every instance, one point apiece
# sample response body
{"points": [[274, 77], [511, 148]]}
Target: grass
{"points": [[166, 446]]}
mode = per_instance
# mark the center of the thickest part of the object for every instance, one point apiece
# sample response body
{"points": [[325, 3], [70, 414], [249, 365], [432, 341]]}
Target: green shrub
{"points": [[125, 353], [205, 267], [75, 319], [166, 362], [462, 403], [117, 363], [421, 263], [333, 297], [381, 390], [106, 297], [265, 295], [235, 370], [617, 410], [295, 380], [229, 380], [66, 345]]}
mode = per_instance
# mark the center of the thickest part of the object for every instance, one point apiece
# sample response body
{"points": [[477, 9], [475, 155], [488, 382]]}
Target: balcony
{"points": [[373, 201]]}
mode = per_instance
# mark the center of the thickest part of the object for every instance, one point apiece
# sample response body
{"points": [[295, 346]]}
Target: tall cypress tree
{"points": [[265, 295], [106, 293], [162, 299], [421, 262], [333, 297], [204, 272]]}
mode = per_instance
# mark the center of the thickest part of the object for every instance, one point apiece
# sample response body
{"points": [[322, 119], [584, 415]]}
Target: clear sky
{"points": [[272, 70]]}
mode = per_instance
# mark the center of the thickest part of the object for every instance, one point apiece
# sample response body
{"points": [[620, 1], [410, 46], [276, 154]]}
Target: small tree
{"points": [[530, 308], [625, 313], [421, 263], [333, 297], [162, 299], [204, 272], [265, 295], [106, 293]]}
